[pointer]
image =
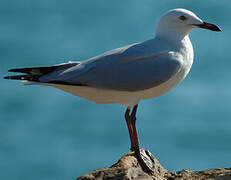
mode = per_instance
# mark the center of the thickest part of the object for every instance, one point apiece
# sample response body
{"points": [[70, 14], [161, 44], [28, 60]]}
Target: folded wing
{"points": [[130, 75], [132, 68]]}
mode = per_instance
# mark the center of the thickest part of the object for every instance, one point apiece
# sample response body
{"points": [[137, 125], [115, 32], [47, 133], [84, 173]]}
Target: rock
{"points": [[128, 168]]}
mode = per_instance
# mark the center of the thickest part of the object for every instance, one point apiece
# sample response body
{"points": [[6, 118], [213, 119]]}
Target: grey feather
{"points": [[132, 68], [135, 67]]}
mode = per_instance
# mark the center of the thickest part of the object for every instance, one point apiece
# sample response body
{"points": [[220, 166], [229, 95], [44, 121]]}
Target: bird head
{"points": [[179, 22]]}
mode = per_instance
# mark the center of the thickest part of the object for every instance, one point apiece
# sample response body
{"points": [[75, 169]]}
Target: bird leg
{"points": [[131, 123], [130, 129]]}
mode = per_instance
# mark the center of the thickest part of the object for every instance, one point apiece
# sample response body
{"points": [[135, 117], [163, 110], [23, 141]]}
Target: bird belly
{"points": [[166, 86]]}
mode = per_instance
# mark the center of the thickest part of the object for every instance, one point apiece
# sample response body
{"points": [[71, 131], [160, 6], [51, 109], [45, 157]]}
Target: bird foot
{"points": [[145, 160]]}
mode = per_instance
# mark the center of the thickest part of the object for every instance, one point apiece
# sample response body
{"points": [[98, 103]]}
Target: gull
{"points": [[128, 74]]}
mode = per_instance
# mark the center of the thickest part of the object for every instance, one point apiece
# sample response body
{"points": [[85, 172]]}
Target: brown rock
{"points": [[128, 168]]}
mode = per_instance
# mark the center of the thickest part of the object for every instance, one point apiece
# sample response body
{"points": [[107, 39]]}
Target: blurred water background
{"points": [[48, 134]]}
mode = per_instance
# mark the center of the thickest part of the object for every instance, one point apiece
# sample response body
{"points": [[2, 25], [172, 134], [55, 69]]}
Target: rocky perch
{"points": [[128, 168]]}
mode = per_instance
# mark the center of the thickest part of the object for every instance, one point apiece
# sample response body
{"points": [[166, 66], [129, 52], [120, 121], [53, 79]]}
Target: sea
{"points": [[48, 134]]}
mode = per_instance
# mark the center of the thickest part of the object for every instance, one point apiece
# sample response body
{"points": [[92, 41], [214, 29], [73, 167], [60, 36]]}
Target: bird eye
{"points": [[183, 18]]}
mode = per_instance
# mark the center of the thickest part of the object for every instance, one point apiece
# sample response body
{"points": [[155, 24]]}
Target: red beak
{"points": [[209, 26]]}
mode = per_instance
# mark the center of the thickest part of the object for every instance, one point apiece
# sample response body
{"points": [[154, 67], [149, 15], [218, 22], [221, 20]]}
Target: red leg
{"points": [[133, 122], [136, 142], [130, 129]]}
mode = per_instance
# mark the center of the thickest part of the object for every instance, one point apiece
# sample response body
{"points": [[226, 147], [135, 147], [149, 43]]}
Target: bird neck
{"points": [[180, 44], [171, 35]]}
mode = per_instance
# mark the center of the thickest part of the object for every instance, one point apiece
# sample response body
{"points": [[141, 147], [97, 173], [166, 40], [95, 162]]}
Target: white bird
{"points": [[129, 74]]}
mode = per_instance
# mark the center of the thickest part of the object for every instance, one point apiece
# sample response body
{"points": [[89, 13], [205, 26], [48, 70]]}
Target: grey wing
{"points": [[131, 75]]}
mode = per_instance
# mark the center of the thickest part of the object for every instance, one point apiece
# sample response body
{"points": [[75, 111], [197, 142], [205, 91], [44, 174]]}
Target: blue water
{"points": [[48, 134]]}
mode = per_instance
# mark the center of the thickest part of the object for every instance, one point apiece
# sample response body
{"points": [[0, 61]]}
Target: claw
{"points": [[145, 161]]}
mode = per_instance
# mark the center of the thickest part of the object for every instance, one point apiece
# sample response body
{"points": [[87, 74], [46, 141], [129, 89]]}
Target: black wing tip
{"points": [[6, 77], [34, 73], [17, 77], [21, 70], [13, 70]]}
